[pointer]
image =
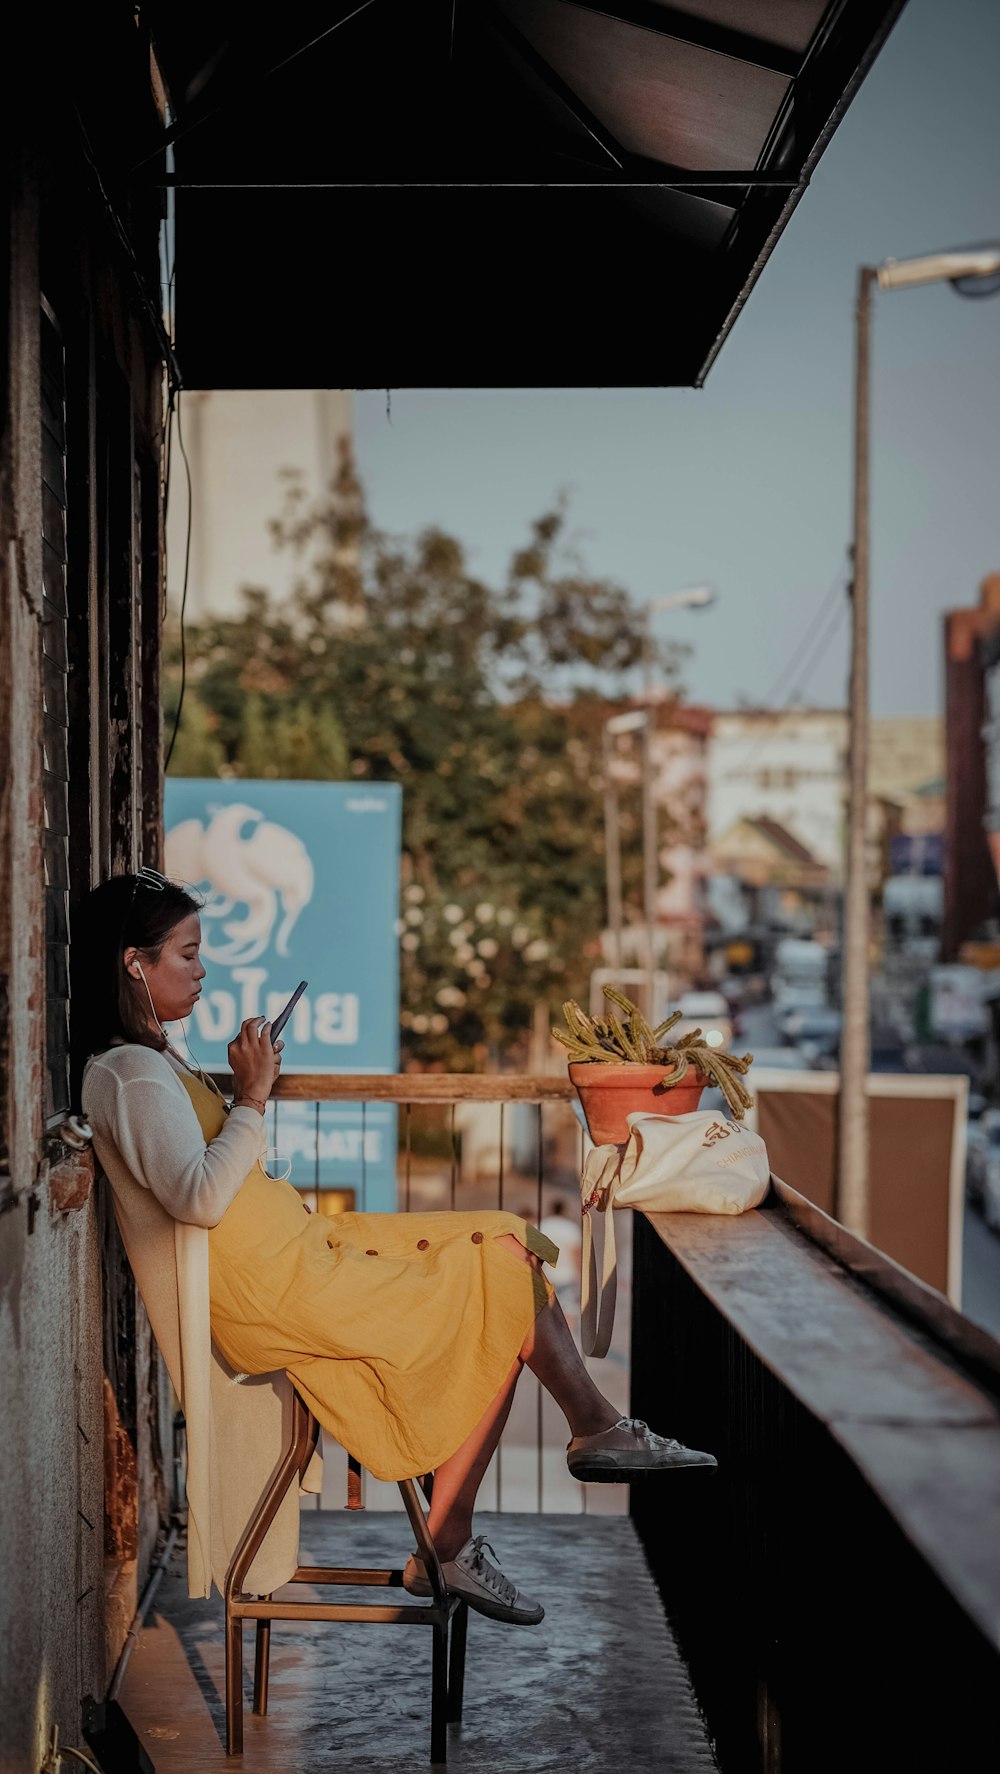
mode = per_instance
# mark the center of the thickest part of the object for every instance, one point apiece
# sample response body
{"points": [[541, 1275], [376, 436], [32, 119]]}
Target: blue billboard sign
{"points": [[301, 881]]}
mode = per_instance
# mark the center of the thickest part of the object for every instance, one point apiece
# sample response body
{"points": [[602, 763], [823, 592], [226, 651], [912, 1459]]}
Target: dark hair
{"points": [[121, 913]]}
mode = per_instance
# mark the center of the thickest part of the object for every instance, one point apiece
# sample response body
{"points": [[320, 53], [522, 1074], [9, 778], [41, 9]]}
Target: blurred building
{"points": [[243, 445], [906, 766], [972, 732], [777, 780], [785, 767], [762, 853], [680, 788]]}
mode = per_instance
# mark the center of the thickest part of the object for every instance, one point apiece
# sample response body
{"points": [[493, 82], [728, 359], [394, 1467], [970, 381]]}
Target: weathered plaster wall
{"points": [[65, 1605], [51, 1464], [51, 1478]]}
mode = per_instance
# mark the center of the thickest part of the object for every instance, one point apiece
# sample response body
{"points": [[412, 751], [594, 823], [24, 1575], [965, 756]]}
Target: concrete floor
{"points": [[597, 1688]]}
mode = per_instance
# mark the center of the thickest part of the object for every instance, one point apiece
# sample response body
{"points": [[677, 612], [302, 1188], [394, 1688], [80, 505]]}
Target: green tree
{"points": [[394, 661]]}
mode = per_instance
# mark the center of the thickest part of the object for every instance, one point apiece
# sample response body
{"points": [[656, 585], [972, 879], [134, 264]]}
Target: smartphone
{"points": [[283, 1015]]}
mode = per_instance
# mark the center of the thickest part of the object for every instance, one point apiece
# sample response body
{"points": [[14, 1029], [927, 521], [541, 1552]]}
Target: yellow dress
{"points": [[397, 1329]]}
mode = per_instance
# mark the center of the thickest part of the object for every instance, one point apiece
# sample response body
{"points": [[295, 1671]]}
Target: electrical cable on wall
{"points": [[175, 404], [57, 1752]]}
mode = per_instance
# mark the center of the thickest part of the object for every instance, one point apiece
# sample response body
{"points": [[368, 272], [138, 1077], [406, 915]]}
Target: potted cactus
{"points": [[619, 1065]]}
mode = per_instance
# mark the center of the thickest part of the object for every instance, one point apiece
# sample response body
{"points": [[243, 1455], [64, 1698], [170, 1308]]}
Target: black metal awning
{"points": [[487, 192]]}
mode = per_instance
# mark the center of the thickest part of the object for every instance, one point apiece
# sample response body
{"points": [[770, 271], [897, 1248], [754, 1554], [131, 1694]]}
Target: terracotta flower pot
{"points": [[609, 1093]]}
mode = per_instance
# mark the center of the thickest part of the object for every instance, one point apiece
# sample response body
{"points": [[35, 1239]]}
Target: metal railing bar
{"points": [[539, 1424], [316, 1162], [355, 1497], [500, 1209], [584, 1489], [454, 1158]]}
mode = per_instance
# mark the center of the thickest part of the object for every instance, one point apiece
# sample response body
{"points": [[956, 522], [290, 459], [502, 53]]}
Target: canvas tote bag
{"points": [[698, 1163]]}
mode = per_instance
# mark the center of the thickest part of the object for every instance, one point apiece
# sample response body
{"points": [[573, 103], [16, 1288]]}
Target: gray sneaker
{"points": [[628, 1450], [477, 1580]]}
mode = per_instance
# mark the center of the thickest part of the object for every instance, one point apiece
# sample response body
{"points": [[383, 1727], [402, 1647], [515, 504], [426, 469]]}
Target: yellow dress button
{"points": [[477, 1238], [422, 1243], [371, 1253]]}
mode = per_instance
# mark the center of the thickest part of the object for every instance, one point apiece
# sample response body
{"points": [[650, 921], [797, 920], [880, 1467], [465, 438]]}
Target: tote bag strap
{"points": [[598, 1297]]}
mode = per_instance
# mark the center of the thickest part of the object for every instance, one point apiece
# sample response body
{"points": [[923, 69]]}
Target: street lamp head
{"points": [[972, 272]]}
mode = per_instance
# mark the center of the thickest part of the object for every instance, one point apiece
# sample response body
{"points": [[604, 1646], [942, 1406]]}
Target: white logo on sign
{"points": [[264, 870]]}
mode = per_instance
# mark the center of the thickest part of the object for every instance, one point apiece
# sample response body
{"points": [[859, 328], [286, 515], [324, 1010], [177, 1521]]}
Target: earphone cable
{"points": [[209, 1083], [184, 589]]}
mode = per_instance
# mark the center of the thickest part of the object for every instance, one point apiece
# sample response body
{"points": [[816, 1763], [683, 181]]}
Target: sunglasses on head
{"points": [[151, 878], [144, 877]]}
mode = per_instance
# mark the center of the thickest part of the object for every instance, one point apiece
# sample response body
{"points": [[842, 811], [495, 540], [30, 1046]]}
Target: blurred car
{"points": [[888, 1052], [890, 1060], [942, 1058], [982, 1147], [815, 1032], [707, 1011], [991, 1190], [795, 1001], [778, 1059]]}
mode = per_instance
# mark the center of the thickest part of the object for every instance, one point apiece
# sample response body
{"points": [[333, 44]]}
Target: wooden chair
{"points": [[445, 1614]]}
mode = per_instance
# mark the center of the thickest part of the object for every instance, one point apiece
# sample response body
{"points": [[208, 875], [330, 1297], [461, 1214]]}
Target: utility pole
{"points": [[650, 858], [853, 1204], [612, 854], [692, 597], [629, 722], [972, 273]]}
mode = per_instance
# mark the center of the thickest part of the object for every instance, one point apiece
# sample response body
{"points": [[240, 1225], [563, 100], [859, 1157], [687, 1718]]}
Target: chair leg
{"points": [[456, 1664], [234, 1687], [439, 1696], [261, 1666]]}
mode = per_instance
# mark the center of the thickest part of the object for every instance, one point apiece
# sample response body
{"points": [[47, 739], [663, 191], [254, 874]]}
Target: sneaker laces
{"points": [[503, 1589], [645, 1433]]}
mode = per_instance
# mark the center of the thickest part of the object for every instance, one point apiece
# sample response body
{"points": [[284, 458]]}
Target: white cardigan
{"points": [[169, 1188]]}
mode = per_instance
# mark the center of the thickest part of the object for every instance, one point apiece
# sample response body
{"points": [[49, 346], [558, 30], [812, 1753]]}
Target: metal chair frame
{"points": [[446, 1614]]}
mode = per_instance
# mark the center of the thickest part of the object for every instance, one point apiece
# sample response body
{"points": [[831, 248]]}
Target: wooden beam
{"points": [[414, 1087]]}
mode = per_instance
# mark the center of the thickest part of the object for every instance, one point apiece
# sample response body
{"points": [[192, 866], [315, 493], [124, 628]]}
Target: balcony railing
{"points": [[426, 1142]]}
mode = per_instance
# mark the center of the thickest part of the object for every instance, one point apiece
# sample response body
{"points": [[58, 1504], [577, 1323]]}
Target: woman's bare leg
{"points": [[457, 1479], [554, 1359]]}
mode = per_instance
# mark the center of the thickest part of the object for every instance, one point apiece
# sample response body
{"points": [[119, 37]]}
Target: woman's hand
{"points": [[254, 1063]]}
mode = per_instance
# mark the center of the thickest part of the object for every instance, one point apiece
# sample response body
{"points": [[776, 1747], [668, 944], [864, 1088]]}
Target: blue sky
{"points": [[747, 482]]}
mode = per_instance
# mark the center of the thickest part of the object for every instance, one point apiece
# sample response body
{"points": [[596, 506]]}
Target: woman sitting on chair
{"points": [[404, 1333]]}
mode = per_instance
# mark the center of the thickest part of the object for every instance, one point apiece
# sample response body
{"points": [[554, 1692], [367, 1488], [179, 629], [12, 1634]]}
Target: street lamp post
{"points": [[630, 722], [693, 597], [974, 272]]}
